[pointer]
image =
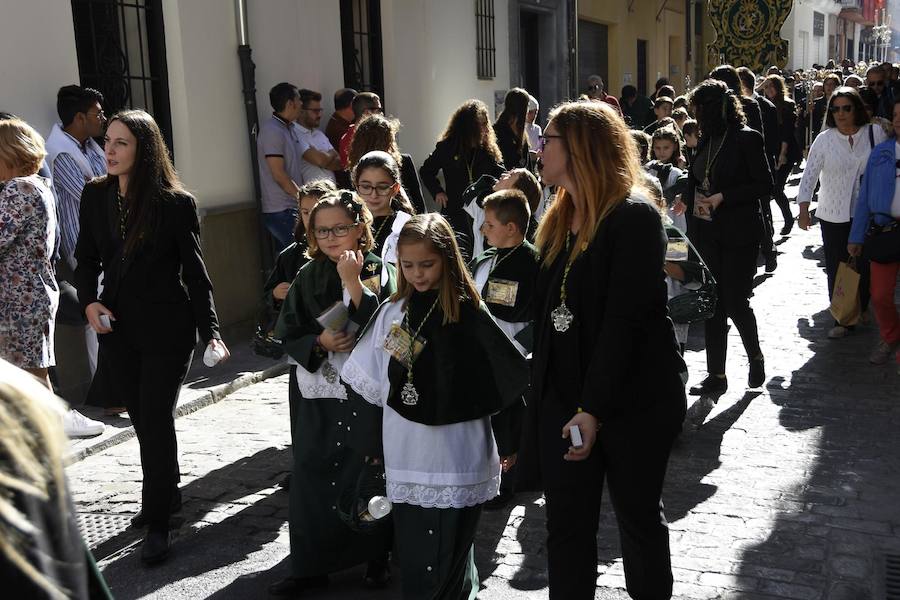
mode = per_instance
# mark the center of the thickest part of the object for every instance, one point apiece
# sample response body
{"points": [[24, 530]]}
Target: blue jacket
{"points": [[876, 194]]}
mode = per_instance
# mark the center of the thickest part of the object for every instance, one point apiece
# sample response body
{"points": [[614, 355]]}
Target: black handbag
{"points": [[263, 343], [882, 244], [698, 304]]}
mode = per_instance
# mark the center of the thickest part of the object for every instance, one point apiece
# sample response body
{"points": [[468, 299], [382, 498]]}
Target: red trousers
{"points": [[883, 281]]}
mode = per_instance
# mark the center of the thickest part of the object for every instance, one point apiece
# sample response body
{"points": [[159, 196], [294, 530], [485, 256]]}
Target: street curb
{"points": [[206, 398]]}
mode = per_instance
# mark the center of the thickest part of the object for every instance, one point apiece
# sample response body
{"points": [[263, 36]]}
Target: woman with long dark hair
{"points": [[466, 150], [510, 129], [378, 132], [789, 153], [139, 227], [725, 182], [605, 360], [837, 160]]}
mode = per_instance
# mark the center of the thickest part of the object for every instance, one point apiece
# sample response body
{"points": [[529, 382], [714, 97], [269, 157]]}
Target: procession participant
{"points": [[725, 183], [605, 359], [377, 180], [510, 129], [466, 150], [139, 227], [334, 294], [287, 266], [378, 132], [505, 275], [434, 371]]}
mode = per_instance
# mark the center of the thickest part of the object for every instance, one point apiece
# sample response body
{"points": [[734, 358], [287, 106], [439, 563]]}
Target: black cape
{"points": [[467, 370], [520, 265]]}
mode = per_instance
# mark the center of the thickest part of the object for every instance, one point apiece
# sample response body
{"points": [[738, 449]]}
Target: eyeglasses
{"points": [[99, 114], [542, 140], [322, 233], [382, 189], [594, 87], [843, 107]]}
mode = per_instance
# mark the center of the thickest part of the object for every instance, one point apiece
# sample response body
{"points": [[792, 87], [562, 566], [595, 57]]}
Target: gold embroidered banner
{"points": [[748, 33]]}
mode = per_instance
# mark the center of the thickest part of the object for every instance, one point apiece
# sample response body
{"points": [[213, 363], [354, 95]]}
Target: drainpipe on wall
{"points": [[248, 80], [573, 49]]}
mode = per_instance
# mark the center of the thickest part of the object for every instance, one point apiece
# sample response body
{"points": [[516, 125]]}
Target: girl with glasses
{"points": [[377, 132], [376, 178], [836, 161], [334, 295]]}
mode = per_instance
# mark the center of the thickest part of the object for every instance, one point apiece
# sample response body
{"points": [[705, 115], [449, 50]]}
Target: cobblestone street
{"points": [[790, 491]]}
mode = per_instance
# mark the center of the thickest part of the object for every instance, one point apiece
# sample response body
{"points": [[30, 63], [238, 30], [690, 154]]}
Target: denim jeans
{"points": [[281, 226]]}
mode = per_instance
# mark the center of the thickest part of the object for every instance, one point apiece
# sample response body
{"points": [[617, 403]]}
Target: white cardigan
{"points": [[838, 168]]}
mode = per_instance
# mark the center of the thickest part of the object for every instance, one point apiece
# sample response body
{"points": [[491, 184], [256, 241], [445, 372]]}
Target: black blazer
{"points": [[620, 355], [447, 158], [410, 177], [514, 155], [771, 132], [741, 173], [161, 296]]}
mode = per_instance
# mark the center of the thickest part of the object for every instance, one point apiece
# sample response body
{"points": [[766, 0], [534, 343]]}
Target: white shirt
{"points": [[461, 466], [533, 132], [313, 138], [838, 168]]}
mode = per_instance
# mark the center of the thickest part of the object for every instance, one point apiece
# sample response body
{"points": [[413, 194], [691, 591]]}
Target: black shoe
{"points": [[155, 548], [710, 386], [378, 573], [293, 586], [757, 373], [285, 483], [139, 521], [500, 501], [771, 262], [788, 225]]}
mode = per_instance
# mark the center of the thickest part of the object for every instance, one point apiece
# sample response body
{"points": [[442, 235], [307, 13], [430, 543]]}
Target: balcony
{"points": [[858, 11]]}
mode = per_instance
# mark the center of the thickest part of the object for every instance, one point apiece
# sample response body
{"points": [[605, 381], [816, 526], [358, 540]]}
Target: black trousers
{"points": [[734, 268], [632, 455], [835, 237], [781, 177], [150, 384], [767, 234]]}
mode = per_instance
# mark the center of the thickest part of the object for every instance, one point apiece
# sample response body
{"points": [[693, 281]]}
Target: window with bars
{"points": [[361, 46], [121, 50], [485, 44]]}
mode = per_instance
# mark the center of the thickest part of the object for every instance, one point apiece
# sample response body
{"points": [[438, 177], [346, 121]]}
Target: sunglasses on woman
{"points": [[843, 107]]}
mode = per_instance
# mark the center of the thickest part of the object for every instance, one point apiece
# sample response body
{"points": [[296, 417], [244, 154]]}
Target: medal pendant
{"points": [[562, 318], [409, 395], [705, 185], [329, 372]]}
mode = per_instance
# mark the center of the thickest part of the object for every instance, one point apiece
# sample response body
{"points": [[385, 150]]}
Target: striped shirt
{"points": [[68, 181]]}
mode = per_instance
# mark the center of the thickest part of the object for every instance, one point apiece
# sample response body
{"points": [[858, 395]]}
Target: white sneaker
{"points": [[76, 425], [837, 332]]}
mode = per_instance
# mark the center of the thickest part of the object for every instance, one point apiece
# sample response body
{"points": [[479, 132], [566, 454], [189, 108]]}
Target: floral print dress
{"points": [[29, 294]]}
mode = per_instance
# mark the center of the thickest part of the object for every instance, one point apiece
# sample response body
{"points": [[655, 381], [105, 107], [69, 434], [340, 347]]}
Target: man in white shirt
{"points": [[74, 158], [319, 158]]}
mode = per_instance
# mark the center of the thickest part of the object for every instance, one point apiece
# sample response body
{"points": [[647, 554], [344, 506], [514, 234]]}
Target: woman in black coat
{"points": [[465, 151], [726, 180], [605, 357], [139, 227], [510, 129], [789, 153]]}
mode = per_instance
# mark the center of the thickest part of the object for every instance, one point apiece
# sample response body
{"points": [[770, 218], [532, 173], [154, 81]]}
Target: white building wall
{"points": [[208, 126], [430, 65], [33, 73], [801, 20]]}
